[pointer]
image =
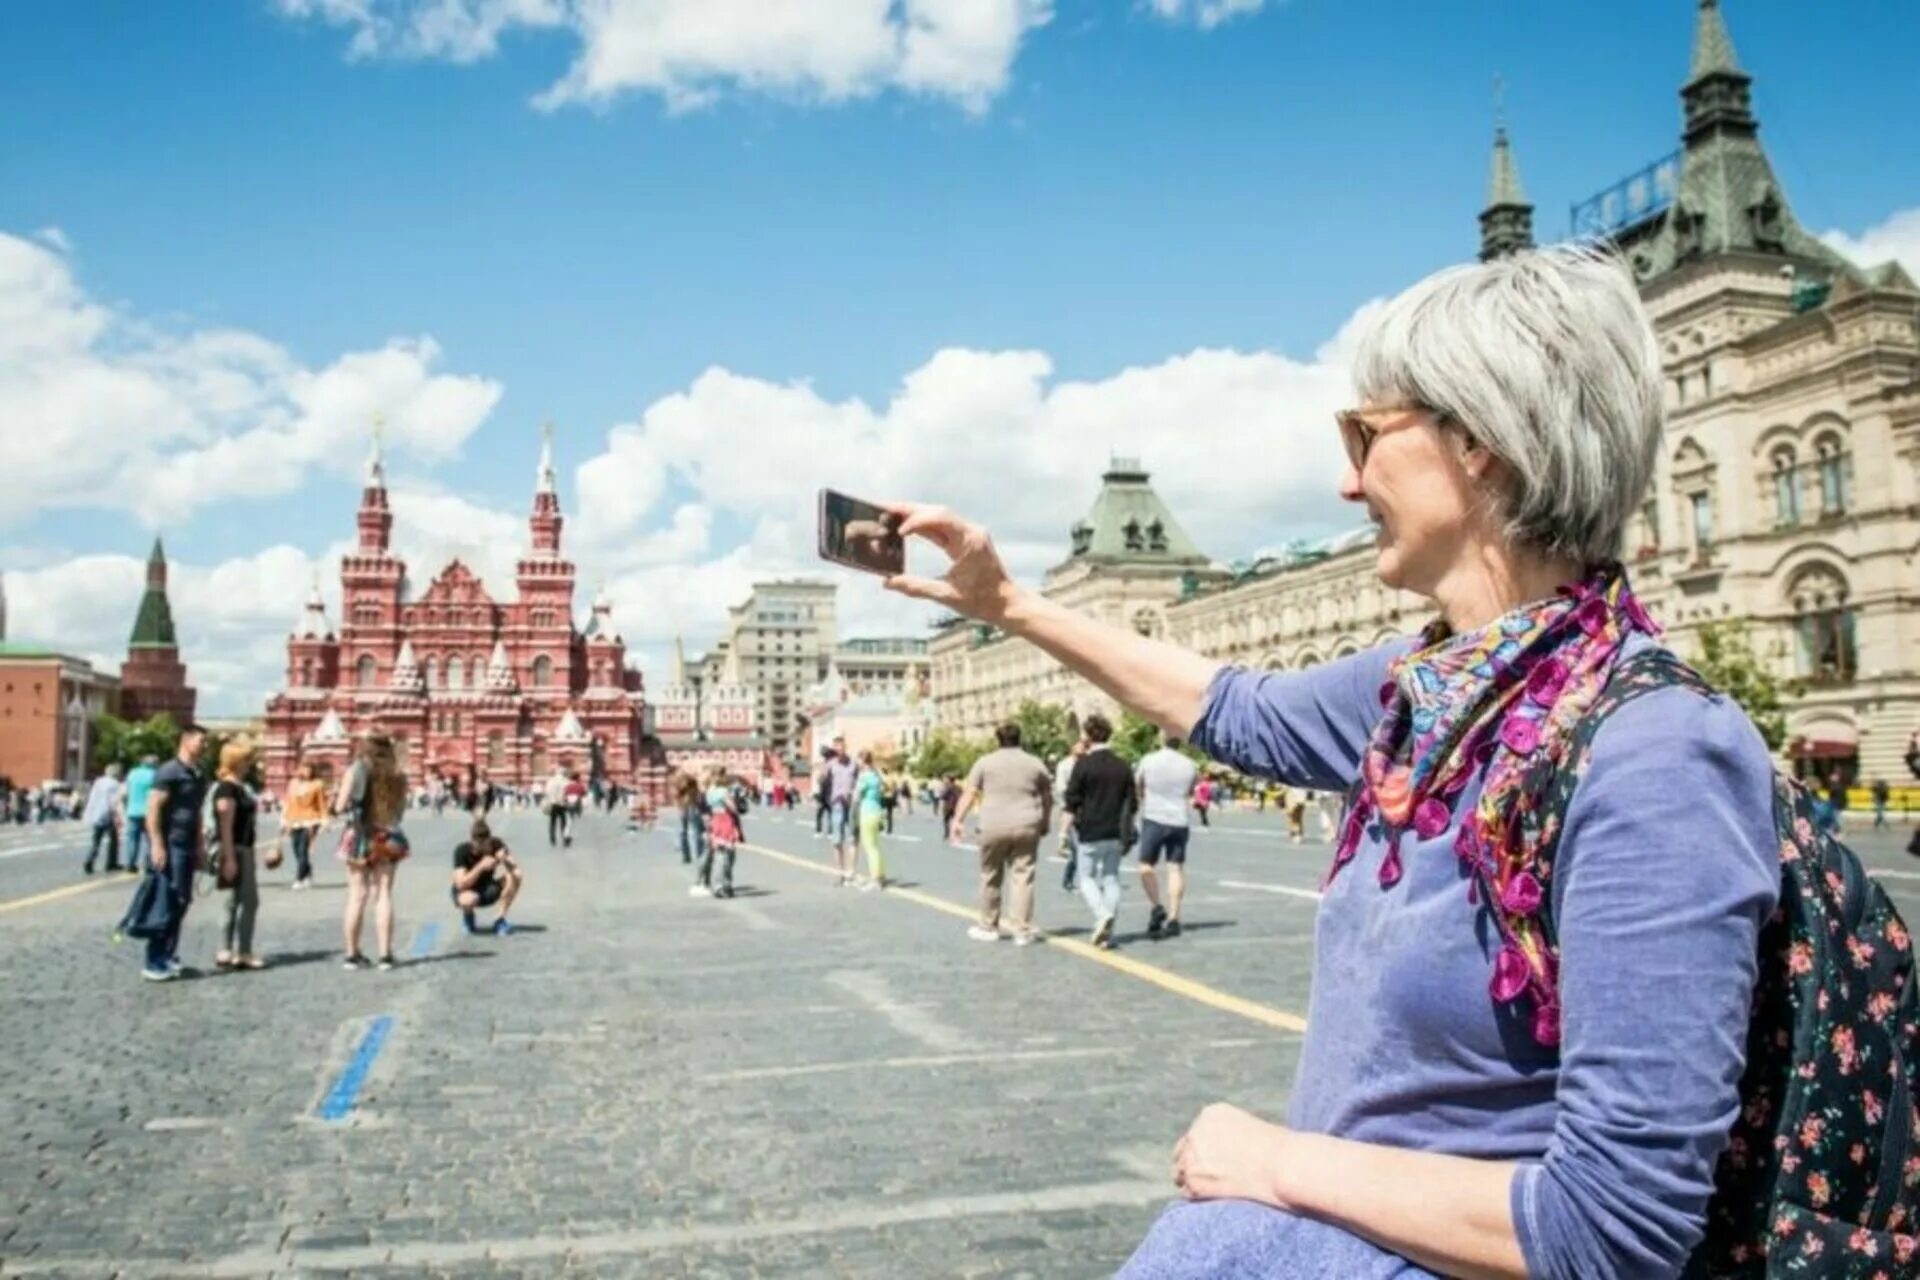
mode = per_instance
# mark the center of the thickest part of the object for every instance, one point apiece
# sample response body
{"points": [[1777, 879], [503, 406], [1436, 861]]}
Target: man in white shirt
{"points": [[1165, 780], [1068, 851], [103, 816], [559, 815]]}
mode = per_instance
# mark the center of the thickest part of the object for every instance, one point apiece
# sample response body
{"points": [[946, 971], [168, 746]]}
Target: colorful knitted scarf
{"points": [[1504, 699]]}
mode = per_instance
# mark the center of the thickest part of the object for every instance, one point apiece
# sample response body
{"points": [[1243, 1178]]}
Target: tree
{"points": [[1046, 730], [946, 752], [127, 742], [1134, 736], [1727, 660]]}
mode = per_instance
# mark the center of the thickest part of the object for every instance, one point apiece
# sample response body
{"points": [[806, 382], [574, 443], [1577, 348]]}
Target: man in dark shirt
{"points": [[1100, 798], [178, 839], [484, 873]]}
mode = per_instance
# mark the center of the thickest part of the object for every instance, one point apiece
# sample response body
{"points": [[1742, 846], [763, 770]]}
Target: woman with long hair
{"points": [[685, 791], [372, 797]]}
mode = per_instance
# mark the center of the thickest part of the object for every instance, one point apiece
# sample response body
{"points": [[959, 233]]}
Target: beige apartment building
{"points": [[1787, 495], [779, 643]]}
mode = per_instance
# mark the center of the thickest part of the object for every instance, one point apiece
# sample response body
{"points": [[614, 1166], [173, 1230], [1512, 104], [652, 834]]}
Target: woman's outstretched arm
{"points": [[1161, 681]]}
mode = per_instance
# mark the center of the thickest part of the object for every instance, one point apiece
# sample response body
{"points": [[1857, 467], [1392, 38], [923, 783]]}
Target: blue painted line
{"points": [[346, 1090], [429, 934]]}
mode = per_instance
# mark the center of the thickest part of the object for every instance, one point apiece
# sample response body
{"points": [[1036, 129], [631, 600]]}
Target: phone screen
{"points": [[860, 535]]}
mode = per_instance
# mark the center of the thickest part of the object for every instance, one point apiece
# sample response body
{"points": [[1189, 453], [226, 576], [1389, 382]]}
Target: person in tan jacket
{"points": [[1015, 795]]}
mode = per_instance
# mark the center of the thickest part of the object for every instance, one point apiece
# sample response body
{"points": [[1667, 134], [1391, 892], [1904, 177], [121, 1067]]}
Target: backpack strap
{"points": [[1545, 799]]}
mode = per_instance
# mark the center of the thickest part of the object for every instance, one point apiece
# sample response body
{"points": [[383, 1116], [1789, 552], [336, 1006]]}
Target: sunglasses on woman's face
{"points": [[1358, 435]]}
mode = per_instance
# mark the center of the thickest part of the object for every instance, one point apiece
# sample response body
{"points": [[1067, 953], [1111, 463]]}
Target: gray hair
{"points": [[1549, 360]]}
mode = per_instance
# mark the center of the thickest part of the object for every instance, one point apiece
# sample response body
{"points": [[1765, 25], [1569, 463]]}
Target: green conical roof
{"points": [[1712, 46], [153, 625], [1129, 523], [1727, 198]]}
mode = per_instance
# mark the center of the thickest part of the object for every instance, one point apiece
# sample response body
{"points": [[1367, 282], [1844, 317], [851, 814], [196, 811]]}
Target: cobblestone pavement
{"points": [[802, 1081]]}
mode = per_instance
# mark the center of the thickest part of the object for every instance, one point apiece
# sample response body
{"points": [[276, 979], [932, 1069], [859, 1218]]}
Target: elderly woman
{"points": [[1471, 1100]]}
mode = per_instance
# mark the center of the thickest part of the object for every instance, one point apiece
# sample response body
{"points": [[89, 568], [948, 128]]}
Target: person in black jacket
{"points": [[1100, 798]]}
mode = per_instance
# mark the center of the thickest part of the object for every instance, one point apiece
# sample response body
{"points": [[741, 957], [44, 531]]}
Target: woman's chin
{"points": [[1387, 566]]}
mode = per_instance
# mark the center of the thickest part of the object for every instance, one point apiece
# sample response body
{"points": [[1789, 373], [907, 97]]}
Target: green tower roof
{"points": [[153, 625], [1729, 200], [1130, 524]]}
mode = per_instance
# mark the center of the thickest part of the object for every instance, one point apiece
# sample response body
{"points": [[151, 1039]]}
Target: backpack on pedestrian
{"points": [[1821, 1175]]}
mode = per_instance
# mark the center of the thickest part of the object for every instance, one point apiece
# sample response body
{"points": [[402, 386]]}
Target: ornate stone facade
{"points": [[1787, 494], [707, 718], [470, 687]]}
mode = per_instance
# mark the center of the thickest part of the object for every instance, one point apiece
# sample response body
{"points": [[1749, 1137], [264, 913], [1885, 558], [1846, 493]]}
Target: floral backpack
{"points": [[1822, 1173]]}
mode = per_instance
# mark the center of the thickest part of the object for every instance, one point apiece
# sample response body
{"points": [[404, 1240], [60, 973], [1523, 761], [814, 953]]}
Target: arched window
{"points": [[1700, 508], [542, 671], [1825, 651], [306, 673], [1833, 476], [431, 672], [1786, 489], [363, 671], [456, 673], [496, 749]]}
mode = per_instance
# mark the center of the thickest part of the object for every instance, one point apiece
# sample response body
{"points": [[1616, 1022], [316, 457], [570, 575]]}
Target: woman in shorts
{"points": [[372, 797]]}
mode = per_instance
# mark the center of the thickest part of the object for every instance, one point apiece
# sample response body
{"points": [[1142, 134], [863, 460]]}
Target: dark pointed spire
{"points": [[153, 625], [1506, 224], [1712, 46], [1718, 94]]}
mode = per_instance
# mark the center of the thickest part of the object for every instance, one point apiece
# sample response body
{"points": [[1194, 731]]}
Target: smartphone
{"points": [[860, 535]]}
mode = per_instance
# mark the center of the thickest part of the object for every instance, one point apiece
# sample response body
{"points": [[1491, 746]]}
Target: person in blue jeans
{"points": [[139, 785], [179, 845]]}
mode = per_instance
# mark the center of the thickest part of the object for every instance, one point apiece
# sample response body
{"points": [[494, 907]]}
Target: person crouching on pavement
{"points": [[485, 874]]}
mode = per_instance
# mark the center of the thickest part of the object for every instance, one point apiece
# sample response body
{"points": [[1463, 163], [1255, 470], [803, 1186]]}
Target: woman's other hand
{"points": [[976, 582], [1229, 1154]]}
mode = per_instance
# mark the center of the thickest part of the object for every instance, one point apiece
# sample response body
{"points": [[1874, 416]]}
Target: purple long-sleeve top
{"points": [[1666, 871]]}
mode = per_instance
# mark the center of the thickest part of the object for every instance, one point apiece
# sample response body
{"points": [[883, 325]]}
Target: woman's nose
{"points": [[1350, 484]]}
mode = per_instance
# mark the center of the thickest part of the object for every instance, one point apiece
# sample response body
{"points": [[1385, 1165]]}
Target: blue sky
{"points": [[1130, 187]]}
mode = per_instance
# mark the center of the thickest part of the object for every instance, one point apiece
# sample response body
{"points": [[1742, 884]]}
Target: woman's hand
{"points": [[1230, 1154], [976, 583]]}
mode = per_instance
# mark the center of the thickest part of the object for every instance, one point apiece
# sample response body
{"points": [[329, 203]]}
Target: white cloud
{"points": [[106, 411], [232, 618], [1238, 442], [689, 51], [1207, 14], [1895, 240], [709, 489]]}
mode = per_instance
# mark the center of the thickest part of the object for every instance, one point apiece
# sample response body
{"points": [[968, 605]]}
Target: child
{"points": [[723, 837]]}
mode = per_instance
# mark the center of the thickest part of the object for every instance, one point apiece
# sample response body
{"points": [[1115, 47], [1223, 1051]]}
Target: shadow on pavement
{"points": [[283, 960], [409, 962]]}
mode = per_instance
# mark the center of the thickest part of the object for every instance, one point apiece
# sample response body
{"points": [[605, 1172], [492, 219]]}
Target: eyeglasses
{"points": [[1358, 435]]}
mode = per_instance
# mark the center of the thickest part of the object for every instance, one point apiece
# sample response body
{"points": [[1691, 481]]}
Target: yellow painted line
{"points": [[1253, 1010], [54, 895]]}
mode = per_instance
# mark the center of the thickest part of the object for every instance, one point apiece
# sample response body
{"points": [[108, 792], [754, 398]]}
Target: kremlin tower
{"points": [[153, 681]]}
